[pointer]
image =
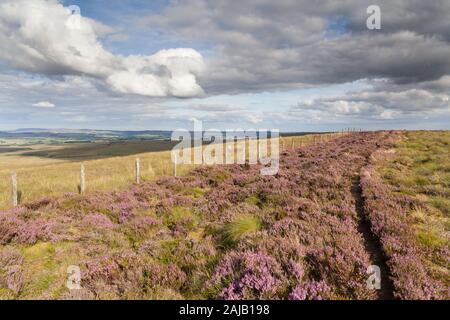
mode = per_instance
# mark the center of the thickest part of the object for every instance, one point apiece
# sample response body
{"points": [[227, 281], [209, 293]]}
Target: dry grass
{"points": [[41, 177], [54, 170]]}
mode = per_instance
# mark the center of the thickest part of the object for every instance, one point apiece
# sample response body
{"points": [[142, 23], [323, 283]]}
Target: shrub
{"points": [[247, 275], [313, 290]]}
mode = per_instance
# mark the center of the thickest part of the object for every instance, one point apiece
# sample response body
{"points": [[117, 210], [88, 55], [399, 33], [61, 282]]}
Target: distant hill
{"points": [[68, 135]]}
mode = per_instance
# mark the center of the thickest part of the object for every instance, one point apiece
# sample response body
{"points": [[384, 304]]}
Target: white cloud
{"points": [[35, 37], [380, 104], [44, 104], [387, 114]]}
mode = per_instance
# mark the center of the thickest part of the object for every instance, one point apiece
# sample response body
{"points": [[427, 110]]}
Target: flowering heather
{"points": [[11, 274], [164, 275], [167, 239], [98, 220], [254, 275], [314, 290]]}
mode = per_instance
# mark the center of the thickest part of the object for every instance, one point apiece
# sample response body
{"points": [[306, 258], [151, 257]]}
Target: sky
{"points": [[289, 64]]}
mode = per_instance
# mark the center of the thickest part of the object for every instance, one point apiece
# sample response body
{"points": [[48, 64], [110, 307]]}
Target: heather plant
{"points": [[114, 275], [247, 275], [313, 290], [99, 221], [139, 228], [11, 274]]}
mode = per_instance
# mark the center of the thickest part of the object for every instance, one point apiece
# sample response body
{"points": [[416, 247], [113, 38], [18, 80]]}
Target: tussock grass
{"points": [[181, 215], [241, 227]]}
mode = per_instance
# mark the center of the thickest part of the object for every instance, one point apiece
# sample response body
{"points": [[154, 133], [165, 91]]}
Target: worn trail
{"points": [[373, 245]]}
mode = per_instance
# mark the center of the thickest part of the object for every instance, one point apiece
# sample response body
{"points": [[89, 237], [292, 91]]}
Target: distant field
{"points": [[100, 150], [12, 149], [50, 170]]}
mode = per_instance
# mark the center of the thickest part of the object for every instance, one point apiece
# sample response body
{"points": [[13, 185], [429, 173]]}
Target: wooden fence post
{"points": [[203, 158], [82, 179], [175, 166], [14, 197], [138, 171]]}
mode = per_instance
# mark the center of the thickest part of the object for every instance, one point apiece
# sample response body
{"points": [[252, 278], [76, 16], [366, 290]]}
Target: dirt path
{"points": [[373, 246]]}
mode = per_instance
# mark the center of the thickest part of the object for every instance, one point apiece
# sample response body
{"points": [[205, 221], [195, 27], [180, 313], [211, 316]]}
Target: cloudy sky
{"points": [[293, 65]]}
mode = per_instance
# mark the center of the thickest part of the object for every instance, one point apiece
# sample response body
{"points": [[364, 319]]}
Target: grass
{"points": [[421, 170], [241, 227], [53, 170], [45, 266], [181, 215], [40, 177]]}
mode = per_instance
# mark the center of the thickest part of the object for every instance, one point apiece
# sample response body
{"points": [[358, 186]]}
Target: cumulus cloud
{"points": [[44, 104], [271, 45], [43, 37], [232, 116]]}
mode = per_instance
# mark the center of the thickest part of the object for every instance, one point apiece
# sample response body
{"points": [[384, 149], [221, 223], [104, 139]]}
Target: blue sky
{"points": [[287, 65]]}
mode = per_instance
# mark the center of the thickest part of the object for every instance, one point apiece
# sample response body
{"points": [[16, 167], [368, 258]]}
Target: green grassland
{"points": [[420, 168]]}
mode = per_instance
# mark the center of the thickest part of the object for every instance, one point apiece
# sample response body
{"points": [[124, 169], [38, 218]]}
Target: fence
{"points": [[286, 143]]}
